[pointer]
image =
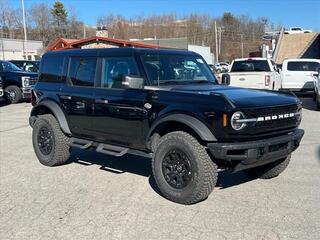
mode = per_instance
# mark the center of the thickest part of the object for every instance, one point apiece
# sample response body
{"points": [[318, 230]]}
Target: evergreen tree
{"points": [[59, 14]]}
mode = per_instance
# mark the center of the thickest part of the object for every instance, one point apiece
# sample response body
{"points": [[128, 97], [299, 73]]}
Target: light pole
{"points": [[24, 30], [216, 38]]}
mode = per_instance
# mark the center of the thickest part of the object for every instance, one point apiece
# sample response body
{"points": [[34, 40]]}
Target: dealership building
{"points": [[18, 49]]}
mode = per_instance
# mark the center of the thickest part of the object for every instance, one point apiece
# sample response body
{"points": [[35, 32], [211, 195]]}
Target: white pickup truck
{"points": [[259, 73], [297, 30], [317, 89], [298, 75]]}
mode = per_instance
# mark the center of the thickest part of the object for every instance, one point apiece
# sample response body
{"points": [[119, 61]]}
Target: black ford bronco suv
{"points": [[165, 104]]}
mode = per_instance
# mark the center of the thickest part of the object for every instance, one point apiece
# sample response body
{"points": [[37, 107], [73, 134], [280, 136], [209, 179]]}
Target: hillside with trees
{"points": [[236, 35]]}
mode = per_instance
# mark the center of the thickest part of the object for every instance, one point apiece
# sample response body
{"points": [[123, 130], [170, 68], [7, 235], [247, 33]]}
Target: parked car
{"points": [[317, 89], [221, 67], [298, 74], [297, 30], [163, 104], [259, 73], [17, 84], [26, 65]]}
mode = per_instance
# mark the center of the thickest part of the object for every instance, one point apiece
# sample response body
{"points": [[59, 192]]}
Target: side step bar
{"points": [[111, 150], [108, 149], [80, 143]]}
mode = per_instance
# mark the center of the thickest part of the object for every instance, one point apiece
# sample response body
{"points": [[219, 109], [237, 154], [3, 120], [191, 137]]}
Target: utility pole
{"points": [[3, 57], [241, 45], [220, 30], [84, 31], [216, 35], [24, 30]]}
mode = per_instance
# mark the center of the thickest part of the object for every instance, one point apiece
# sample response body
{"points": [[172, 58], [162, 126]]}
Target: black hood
{"points": [[23, 73], [240, 97]]}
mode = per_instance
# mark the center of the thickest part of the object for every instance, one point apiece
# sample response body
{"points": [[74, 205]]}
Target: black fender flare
{"points": [[56, 111], [195, 124]]}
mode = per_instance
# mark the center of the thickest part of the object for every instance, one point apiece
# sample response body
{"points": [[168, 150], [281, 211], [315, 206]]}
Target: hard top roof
{"points": [[120, 51]]}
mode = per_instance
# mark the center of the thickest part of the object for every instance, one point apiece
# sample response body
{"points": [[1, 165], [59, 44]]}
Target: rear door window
{"points": [[250, 66], [51, 69], [303, 66], [82, 71]]}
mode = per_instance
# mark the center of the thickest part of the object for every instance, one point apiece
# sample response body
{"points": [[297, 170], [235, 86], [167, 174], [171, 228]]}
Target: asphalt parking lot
{"points": [[100, 197]]}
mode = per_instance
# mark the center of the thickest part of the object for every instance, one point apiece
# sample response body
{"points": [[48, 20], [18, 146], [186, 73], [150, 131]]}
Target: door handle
{"points": [[66, 97], [104, 101], [242, 79]]}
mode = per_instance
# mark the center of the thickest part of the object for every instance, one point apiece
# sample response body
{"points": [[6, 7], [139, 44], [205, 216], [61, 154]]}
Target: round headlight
{"points": [[236, 122]]}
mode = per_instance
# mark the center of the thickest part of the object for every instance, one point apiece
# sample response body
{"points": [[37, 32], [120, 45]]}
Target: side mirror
{"points": [[225, 79], [132, 82]]}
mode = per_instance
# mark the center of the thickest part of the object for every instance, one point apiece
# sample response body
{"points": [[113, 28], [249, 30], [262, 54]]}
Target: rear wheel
{"points": [[270, 170], [49, 142], [318, 101], [182, 168], [13, 94]]}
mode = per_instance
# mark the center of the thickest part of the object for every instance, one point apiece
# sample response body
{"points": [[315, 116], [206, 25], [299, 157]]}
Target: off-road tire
{"points": [[270, 170], [204, 170], [60, 152], [17, 92]]}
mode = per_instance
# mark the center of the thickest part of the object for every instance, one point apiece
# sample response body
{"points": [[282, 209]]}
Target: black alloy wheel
{"points": [[176, 169], [45, 140]]}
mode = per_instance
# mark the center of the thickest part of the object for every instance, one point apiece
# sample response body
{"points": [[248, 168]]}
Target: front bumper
{"points": [[26, 92], [244, 155]]}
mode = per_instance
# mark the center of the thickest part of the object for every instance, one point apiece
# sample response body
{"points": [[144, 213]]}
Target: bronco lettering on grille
{"points": [[275, 117]]}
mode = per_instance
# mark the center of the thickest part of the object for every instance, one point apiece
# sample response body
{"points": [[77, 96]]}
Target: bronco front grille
{"points": [[257, 112], [278, 123]]}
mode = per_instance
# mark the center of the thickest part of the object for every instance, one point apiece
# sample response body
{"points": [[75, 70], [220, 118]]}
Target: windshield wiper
{"points": [[201, 81], [170, 82], [184, 82]]}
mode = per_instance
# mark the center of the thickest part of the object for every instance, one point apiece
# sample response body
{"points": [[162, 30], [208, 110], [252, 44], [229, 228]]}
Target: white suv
{"points": [[298, 74]]}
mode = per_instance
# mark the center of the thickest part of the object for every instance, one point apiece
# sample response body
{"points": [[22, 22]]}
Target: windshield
{"points": [[250, 66], [176, 69], [8, 67]]}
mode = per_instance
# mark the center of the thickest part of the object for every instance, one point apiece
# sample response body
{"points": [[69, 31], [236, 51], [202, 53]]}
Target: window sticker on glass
{"points": [[199, 60]]}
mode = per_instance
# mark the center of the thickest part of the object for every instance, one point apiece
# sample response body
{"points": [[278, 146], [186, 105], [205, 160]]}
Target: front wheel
{"points": [[270, 170], [182, 168], [13, 94]]}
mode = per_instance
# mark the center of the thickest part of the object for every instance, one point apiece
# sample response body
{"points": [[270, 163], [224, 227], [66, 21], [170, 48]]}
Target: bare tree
{"points": [[40, 19]]}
